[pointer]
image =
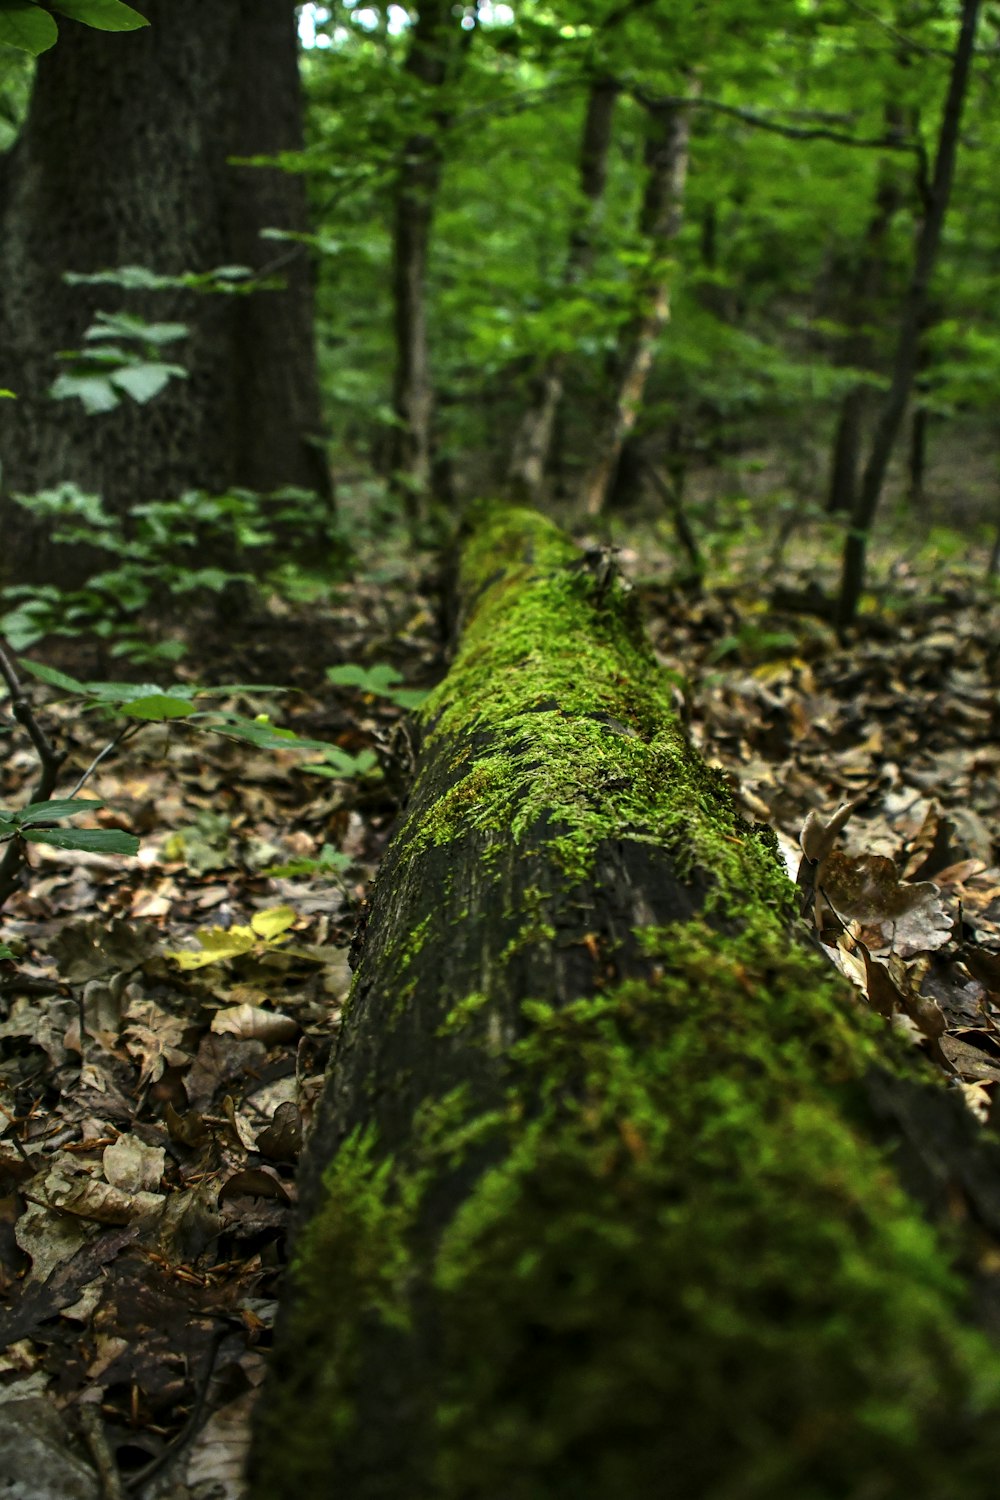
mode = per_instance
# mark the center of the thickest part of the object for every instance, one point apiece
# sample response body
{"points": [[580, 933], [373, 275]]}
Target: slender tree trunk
{"points": [[660, 222], [599, 1202], [124, 159], [847, 450], [913, 317], [435, 57], [862, 310], [533, 440]]}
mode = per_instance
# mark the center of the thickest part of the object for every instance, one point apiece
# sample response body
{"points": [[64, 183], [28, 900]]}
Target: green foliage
{"points": [[224, 280], [30, 26], [122, 358], [159, 551], [31, 823], [337, 764], [379, 680]]}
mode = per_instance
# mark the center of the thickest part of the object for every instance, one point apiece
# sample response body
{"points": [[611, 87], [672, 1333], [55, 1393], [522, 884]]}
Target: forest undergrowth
{"points": [[167, 1024]]}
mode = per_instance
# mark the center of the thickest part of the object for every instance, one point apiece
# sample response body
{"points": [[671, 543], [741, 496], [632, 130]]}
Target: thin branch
{"points": [[890, 142], [49, 758], [131, 729], [906, 40]]}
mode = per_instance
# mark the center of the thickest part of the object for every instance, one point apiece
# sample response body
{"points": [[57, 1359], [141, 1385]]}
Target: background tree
{"points": [[117, 165]]}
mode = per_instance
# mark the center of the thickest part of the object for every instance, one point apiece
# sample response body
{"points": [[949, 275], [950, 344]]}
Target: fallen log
{"points": [[606, 1197]]}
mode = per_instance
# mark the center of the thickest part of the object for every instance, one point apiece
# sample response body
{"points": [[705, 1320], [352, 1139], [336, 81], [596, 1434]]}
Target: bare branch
{"points": [[49, 758]]}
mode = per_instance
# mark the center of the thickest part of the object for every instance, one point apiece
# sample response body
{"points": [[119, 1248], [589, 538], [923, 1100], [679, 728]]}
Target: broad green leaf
{"points": [[143, 382], [7, 828], [264, 736], [126, 325], [408, 697], [5, 952], [62, 807], [53, 678], [25, 26], [95, 391], [339, 765], [94, 840], [7, 395], [103, 15], [269, 924], [159, 706], [378, 679]]}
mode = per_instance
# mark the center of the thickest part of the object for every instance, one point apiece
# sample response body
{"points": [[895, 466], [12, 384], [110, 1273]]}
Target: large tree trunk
{"points": [[911, 324], [598, 1203], [123, 159], [533, 440], [660, 222]]}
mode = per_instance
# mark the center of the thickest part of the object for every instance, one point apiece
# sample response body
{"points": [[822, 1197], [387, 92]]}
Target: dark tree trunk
{"points": [[866, 290], [598, 1202], [123, 159], [533, 441], [847, 451], [919, 423], [660, 222], [911, 325], [436, 53]]}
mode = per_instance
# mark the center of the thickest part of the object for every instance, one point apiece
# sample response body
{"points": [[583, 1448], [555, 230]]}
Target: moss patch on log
{"points": [[665, 1253]]}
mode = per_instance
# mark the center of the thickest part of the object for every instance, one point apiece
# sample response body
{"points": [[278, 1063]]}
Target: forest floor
{"points": [[168, 1020]]}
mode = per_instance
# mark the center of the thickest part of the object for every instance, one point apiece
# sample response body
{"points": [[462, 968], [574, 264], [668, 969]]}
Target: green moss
{"points": [[674, 1261], [462, 1013], [686, 1258], [563, 719]]}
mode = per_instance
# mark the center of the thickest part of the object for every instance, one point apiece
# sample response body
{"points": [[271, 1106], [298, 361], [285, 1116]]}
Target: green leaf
{"points": [[25, 26], [128, 326], [94, 840], [159, 706], [53, 678], [64, 807], [147, 380], [144, 381], [7, 828], [340, 766], [95, 391], [5, 952], [263, 736], [378, 679], [5, 394], [103, 15]]}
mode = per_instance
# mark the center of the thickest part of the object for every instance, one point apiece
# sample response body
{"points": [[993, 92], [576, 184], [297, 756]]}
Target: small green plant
{"points": [[130, 708], [122, 357], [35, 824], [378, 680], [330, 861], [160, 550]]}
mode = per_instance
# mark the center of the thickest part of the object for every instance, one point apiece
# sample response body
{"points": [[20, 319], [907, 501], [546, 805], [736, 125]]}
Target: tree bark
{"points": [[913, 317], [660, 222], [123, 159], [533, 441], [862, 311], [436, 53], [598, 1202]]}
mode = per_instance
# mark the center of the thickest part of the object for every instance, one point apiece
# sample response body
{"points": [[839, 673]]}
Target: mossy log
{"points": [[604, 1199]]}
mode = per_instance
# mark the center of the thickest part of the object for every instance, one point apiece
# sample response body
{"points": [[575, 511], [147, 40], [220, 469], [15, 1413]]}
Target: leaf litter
{"points": [[164, 1030]]}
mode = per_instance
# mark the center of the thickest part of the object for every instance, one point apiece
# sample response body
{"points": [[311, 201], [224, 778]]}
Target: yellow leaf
{"points": [[268, 924], [217, 945]]}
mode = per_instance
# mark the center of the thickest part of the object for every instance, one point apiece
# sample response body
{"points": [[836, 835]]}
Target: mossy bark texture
{"points": [[602, 1200]]}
